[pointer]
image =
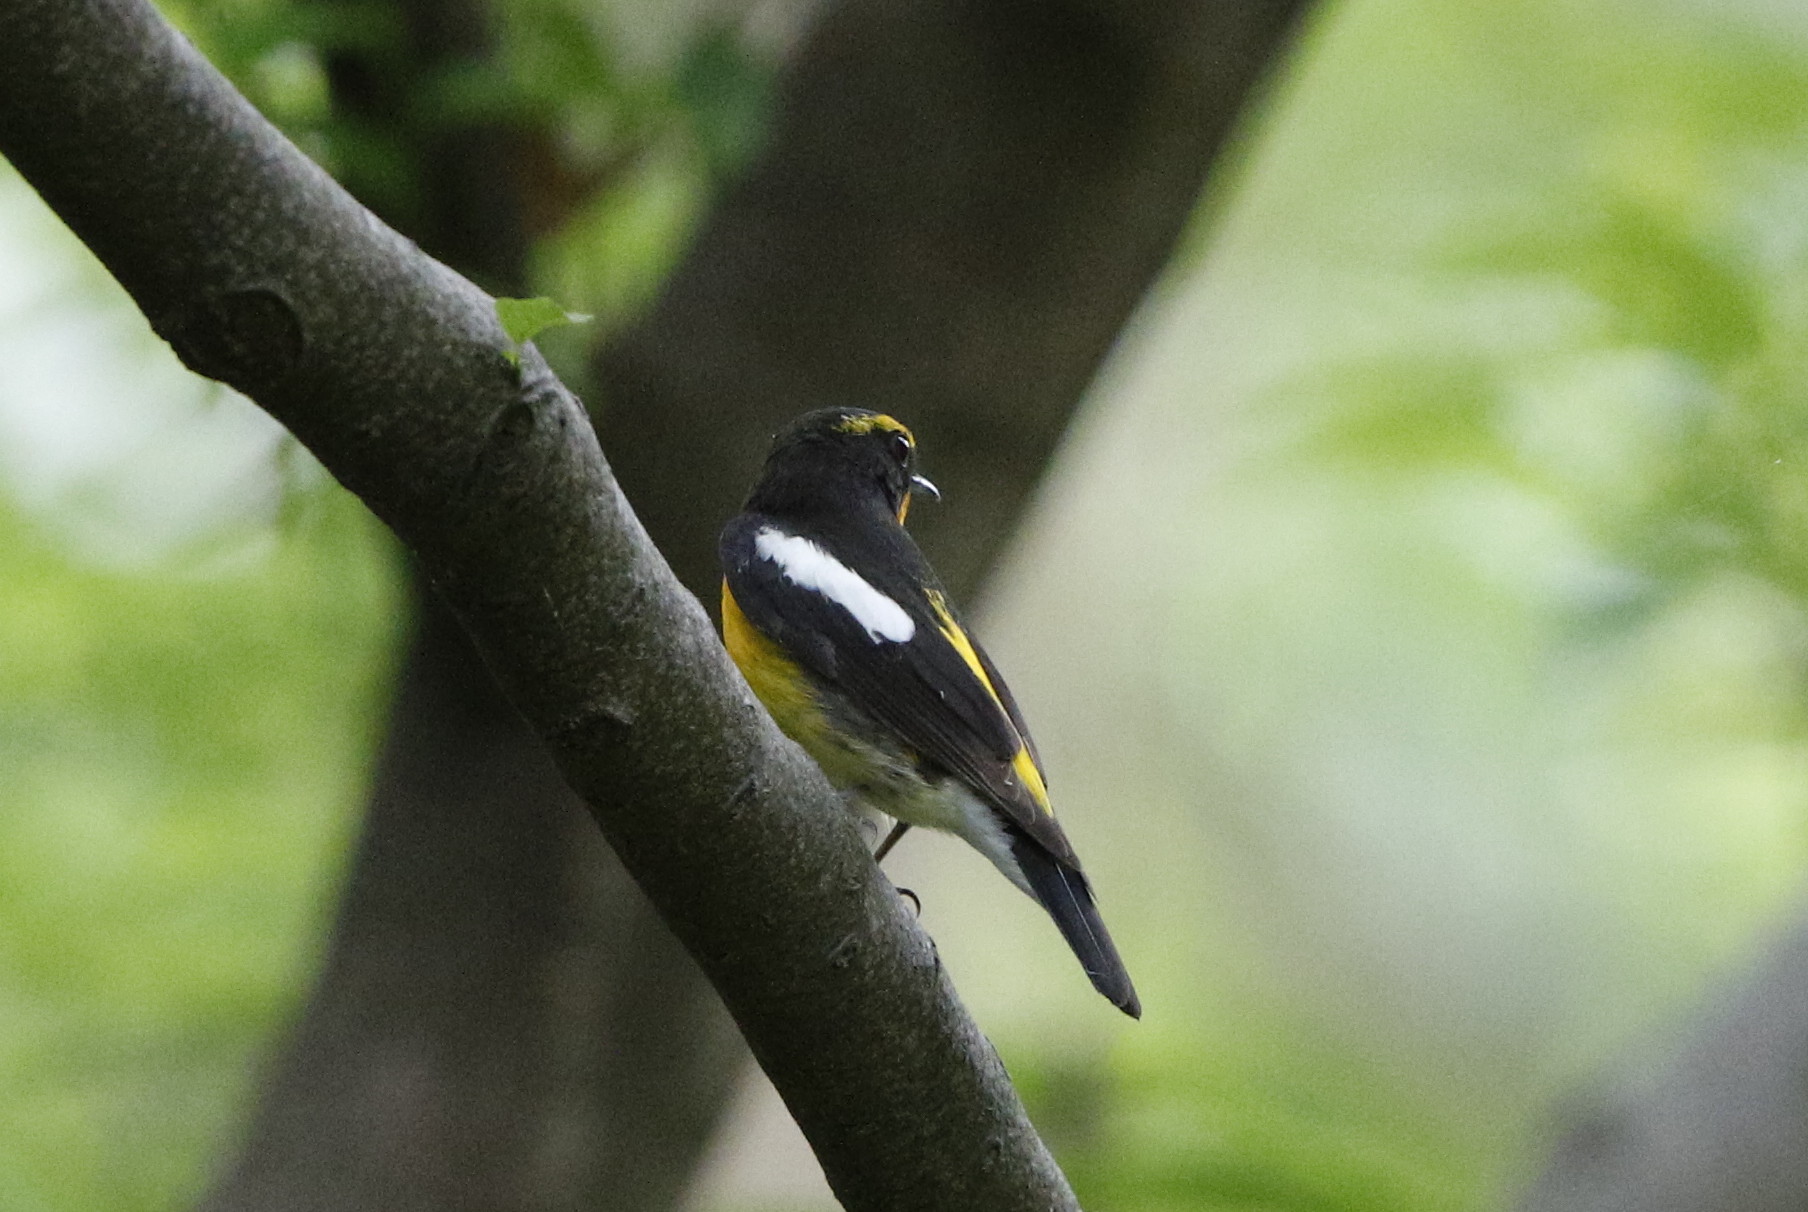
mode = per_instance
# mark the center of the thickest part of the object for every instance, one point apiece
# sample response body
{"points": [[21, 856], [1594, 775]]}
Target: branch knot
{"points": [[244, 337]]}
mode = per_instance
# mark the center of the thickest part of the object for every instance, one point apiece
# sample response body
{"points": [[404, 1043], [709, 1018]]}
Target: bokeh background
{"points": [[1414, 621]]}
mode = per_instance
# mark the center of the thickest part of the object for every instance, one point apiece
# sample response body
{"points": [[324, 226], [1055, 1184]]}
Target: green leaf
{"points": [[524, 319]]}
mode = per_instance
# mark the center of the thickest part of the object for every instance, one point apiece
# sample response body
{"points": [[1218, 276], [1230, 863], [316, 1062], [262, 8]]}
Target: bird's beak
{"points": [[921, 484]]}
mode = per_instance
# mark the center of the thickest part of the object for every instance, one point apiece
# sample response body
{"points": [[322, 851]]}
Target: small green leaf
{"points": [[524, 319]]}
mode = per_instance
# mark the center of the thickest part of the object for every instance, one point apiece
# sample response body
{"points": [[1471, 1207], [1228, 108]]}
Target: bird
{"points": [[847, 636]]}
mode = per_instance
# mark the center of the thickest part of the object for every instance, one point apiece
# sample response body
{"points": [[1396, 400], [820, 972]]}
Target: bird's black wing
{"points": [[935, 690]]}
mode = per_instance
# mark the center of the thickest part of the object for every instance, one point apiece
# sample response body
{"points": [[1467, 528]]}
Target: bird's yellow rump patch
{"points": [[778, 680], [783, 686], [1023, 764]]}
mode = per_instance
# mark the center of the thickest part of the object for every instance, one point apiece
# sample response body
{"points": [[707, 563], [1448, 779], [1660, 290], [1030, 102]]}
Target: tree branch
{"points": [[261, 272], [501, 1023]]}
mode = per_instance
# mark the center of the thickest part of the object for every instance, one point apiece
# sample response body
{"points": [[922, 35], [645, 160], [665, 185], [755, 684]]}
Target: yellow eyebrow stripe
{"points": [[1023, 764], [877, 421]]}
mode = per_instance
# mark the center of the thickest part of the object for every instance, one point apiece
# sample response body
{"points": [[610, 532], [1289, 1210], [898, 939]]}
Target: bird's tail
{"points": [[1064, 892]]}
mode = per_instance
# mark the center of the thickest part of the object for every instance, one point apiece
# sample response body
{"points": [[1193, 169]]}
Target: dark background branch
{"points": [[1719, 1126], [424, 1072], [960, 205]]}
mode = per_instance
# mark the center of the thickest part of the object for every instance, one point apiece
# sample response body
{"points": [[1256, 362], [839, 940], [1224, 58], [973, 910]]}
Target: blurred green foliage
{"points": [[1450, 503], [182, 751], [620, 139], [1416, 627]]}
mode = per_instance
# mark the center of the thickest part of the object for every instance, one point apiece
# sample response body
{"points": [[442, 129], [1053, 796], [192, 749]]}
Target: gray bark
{"points": [[261, 272], [502, 1022]]}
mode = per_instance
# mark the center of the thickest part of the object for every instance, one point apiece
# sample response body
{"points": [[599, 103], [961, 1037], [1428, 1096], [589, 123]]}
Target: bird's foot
{"points": [[898, 830]]}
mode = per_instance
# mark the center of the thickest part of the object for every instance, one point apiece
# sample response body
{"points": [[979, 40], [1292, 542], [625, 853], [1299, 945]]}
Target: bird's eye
{"points": [[900, 448]]}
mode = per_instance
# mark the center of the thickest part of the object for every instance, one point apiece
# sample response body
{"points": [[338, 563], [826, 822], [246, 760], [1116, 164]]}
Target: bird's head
{"points": [[841, 458]]}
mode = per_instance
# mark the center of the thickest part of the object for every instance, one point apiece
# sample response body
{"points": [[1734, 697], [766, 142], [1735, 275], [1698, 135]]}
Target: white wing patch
{"points": [[808, 566]]}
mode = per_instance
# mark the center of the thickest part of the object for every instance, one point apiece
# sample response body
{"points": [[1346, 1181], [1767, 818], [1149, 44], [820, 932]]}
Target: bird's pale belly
{"points": [[890, 780]]}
